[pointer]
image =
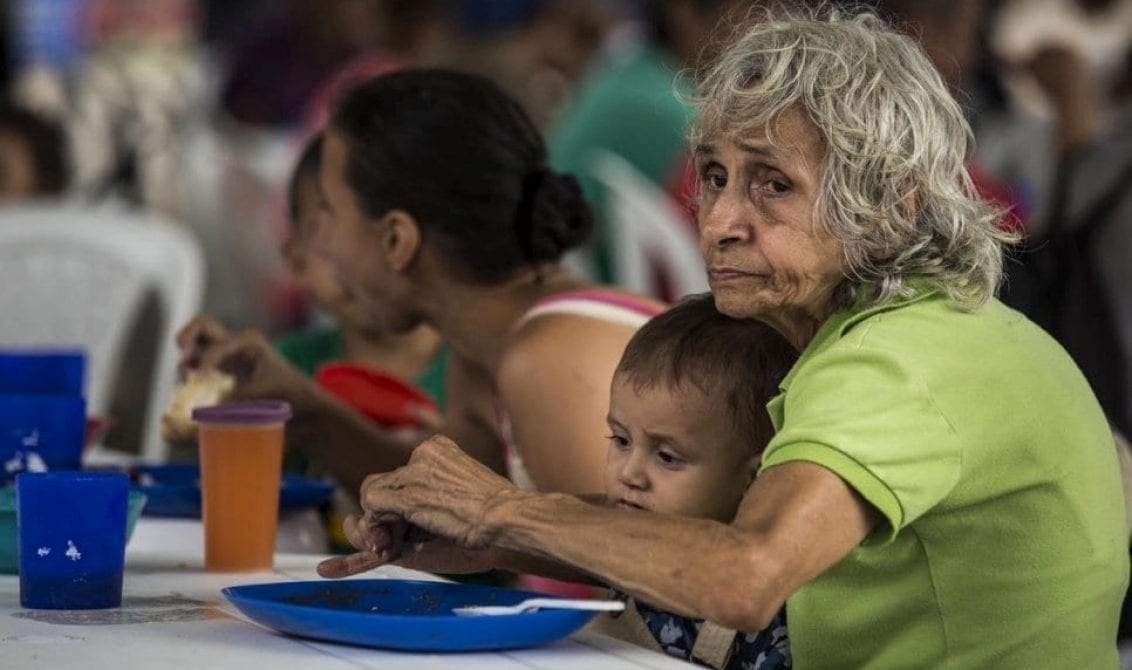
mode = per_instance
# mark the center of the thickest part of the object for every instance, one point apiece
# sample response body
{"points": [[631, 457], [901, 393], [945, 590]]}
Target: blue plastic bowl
{"points": [[9, 531]]}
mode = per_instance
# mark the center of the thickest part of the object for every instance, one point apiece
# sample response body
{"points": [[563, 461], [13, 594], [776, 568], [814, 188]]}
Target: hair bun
{"points": [[559, 218]]}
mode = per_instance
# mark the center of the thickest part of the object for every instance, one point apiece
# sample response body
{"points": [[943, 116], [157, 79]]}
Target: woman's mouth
{"points": [[722, 275], [628, 504]]}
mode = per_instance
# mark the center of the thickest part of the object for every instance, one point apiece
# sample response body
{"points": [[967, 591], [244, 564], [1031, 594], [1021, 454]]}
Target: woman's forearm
{"points": [[530, 564], [797, 520], [444, 557], [658, 558]]}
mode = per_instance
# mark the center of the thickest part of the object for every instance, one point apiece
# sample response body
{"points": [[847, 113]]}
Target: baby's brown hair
{"points": [[741, 361]]}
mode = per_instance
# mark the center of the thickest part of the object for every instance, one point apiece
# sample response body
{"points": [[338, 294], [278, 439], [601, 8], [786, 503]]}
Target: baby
{"points": [[688, 426]]}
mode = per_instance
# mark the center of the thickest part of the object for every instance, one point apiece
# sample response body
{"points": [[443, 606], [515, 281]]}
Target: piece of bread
{"points": [[201, 389]]}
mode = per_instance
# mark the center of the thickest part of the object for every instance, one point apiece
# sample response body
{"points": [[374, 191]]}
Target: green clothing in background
{"points": [[309, 349], [633, 108], [1002, 541]]}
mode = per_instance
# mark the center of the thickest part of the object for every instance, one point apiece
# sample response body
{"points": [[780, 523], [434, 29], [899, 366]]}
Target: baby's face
{"points": [[675, 451]]}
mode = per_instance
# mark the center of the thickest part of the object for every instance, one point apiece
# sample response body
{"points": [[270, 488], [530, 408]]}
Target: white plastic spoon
{"points": [[542, 603]]}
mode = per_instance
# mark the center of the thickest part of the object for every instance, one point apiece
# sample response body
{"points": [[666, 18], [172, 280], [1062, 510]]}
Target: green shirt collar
{"points": [[841, 321]]}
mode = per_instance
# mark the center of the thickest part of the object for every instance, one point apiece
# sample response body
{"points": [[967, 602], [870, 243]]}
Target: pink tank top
{"points": [[603, 305]]}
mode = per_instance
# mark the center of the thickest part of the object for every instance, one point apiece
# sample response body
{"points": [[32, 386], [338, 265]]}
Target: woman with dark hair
{"points": [[440, 209]]}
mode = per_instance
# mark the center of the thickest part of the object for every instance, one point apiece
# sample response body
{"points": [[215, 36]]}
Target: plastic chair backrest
{"points": [[77, 276], [649, 233]]}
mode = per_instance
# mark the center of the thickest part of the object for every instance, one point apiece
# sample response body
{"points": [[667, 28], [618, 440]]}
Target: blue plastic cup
{"points": [[48, 371], [72, 538], [39, 433]]}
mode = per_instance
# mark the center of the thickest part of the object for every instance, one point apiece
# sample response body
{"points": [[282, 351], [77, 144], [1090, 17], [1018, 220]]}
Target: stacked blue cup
{"points": [[72, 538], [42, 410]]}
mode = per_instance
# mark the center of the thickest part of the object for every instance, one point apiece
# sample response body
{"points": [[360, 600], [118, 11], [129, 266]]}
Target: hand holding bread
{"points": [[201, 388], [220, 366]]}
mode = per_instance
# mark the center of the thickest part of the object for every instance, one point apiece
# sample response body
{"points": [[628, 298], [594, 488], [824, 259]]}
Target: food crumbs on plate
{"points": [[72, 552], [427, 600], [325, 597]]}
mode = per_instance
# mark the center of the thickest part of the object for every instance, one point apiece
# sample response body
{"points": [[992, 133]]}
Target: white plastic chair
{"points": [[76, 276], [648, 232]]}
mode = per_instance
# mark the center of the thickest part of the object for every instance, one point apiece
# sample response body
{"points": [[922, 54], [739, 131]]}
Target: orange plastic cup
{"points": [[241, 461]]}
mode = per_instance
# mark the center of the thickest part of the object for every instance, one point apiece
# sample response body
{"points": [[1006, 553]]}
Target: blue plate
{"points": [[402, 614], [174, 490]]}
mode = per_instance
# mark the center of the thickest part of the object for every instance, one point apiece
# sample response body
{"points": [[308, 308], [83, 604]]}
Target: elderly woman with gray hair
{"points": [[941, 490]]}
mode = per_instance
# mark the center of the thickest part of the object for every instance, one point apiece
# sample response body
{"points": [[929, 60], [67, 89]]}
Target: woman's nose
{"points": [[724, 222]]}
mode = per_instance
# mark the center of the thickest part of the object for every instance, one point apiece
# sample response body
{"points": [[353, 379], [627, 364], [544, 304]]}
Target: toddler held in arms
{"points": [[688, 425]]}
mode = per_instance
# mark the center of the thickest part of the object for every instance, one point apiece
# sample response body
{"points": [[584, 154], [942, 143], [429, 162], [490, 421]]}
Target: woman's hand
{"points": [[443, 491], [428, 514], [388, 539], [259, 370]]}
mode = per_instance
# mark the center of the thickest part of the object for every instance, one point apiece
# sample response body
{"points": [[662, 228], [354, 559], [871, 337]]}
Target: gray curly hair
{"points": [[895, 188]]}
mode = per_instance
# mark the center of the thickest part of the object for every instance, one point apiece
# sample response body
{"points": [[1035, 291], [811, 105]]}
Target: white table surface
{"points": [[174, 616]]}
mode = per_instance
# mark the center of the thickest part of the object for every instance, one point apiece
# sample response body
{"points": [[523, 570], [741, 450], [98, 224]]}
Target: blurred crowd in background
{"points": [[196, 109]]}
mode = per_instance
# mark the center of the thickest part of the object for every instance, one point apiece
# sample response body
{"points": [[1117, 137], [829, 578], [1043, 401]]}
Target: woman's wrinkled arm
{"points": [[795, 522], [391, 541]]}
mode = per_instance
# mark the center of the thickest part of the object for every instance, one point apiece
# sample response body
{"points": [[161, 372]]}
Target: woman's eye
{"points": [[774, 186], [618, 441], [713, 177]]}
